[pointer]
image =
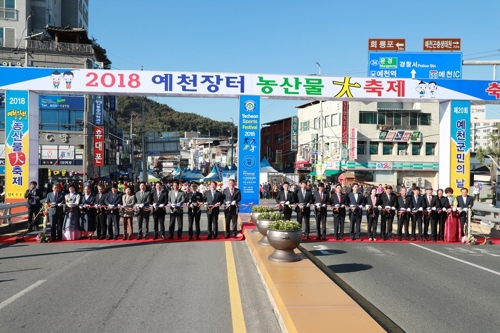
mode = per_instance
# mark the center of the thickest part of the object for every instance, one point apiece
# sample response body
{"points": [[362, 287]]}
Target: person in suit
{"points": [[213, 200], [33, 195], [88, 212], [144, 200], [442, 215], [55, 199], [160, 200], [113, 200], [417, 213], [432, 204], [372, 213], [232, 197], [356, 202], [304, 198], [286, 198], [101, 217], [338, 202], [388, 203], [176, 199], [128, 203], [464, 203], [321, 200], [404, 206], [194, 200]]}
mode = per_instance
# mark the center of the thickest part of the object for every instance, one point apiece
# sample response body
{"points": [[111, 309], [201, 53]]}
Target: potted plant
{"points": [[284, 237], [263, 223], [256, 211]]}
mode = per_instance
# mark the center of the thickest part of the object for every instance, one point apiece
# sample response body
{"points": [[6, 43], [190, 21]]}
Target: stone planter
{"points": [[254, 217], [284, 242], [263, 225]]}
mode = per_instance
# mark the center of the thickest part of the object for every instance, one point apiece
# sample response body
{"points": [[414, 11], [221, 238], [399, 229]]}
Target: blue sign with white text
{"points": [[249, 152], [416, 65], [98, 110], [62, 102]]}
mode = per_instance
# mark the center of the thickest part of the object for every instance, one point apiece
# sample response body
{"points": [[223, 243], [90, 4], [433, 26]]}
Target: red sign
{"points": [[345, 121], [98, 146], [442, 44], [386, 44]]}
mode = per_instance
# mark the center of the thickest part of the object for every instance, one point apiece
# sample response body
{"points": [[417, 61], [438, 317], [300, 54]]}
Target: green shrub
{"points": [[262, 209], [271, 216], [285, 225]]}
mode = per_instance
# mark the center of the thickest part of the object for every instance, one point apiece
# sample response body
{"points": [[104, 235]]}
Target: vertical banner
{"points": [[98, 146], [354, 144], [295, 134], [249, 152], [345, 122], [112, 103], [17, 139], [460, 146], [98, 110]]}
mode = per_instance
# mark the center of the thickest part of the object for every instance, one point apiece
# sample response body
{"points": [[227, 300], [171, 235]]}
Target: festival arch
{"points": [[23, 85]]}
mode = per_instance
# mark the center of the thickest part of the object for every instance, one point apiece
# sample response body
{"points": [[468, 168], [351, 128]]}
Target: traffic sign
{"points": [[386, 44], [442, 44], [415, 65]]}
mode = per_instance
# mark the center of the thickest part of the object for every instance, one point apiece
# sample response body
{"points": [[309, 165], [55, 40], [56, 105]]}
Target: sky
{"points": [[281, 37]]}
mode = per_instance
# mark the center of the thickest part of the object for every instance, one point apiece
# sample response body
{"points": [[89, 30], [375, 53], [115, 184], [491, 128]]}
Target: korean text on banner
{"points": [[98, 146], [249, 151], [98, 110], [16, 143], [460, 145], [354, 144]]}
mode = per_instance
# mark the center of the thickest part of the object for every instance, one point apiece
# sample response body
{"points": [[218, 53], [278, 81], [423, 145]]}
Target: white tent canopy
{"points": [[265, 167]]}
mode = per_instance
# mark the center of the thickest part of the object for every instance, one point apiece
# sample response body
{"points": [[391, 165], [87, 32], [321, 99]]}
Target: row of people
{"points": [[73, 216], [423, 211]]}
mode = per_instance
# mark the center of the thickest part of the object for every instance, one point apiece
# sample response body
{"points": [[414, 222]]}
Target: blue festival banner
{"points": [[62, 102], [249, 152], [98, 116], [460, 145]]}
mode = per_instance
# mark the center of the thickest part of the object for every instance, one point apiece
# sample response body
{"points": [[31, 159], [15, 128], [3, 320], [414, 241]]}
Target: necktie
{"points": [[159, 193], [338, 195], [231, 191], [55, 197], [142, 195], [213, 195], [303, 194], [429, 198], [286, 194], [321, 196]]}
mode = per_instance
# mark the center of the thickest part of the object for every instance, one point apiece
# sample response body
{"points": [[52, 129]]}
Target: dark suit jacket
{"points": [[230, 198], [360, 202], [56, 210], [435, 202], [281, 197], [318, 200], [89, 201], [469, 201], [162, 199], [334, 200], [113, 199], [418, 202], [212, 200], [30, 195], [373, 210], [445, 203], [402, 203]]}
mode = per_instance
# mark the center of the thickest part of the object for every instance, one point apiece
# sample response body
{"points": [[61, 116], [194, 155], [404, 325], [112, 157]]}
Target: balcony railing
{"points": [[8, 14], [60, 47]]}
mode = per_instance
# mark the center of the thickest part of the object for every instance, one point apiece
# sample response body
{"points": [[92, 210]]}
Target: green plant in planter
{"points": [[262, 209], [271, 216], [284, 225]]}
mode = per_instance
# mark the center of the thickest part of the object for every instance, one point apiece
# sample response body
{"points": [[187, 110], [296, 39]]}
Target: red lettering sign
{"points": [[345, 120], [98, 146]]}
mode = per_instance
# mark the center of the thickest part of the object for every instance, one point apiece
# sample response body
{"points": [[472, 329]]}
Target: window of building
{"points": [[267, 139], [415, 148], [381, 118], [61, 120], [425, 119], [413, 120], [305, 126], [327, 147], [8, 9], [430, 148], [335, 119], [402, 148], [373, 148], [366, 117], [361, 147], [316, 123], [278, 138], [397, 119], [327, 121], [387, 148]]}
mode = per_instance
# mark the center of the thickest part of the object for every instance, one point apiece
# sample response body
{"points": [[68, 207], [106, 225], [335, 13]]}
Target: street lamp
{"points": [[321, 124], [232, 142]]}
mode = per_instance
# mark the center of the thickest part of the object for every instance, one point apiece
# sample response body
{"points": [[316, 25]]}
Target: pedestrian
{"points": [[128, 202], [55, 199], [33, 195], [493, 193], [176, 199], [71, 225], [232, 197], [88, 212], [476, 192], [113, 200]]}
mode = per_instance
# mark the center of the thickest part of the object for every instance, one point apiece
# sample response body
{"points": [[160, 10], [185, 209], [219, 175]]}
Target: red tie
{"points": [[338, 195], [231, 191], [321, 196]]}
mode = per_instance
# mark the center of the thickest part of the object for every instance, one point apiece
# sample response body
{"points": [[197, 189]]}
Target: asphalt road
{"points": [[129, 286], [422, 288]]}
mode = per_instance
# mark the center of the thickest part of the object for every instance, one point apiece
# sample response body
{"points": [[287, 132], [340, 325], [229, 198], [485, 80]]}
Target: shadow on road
{"points": [[349, 268]]}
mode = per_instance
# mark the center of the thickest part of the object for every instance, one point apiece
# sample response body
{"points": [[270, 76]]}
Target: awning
{"points": [[330, 173], [313, 174], [303, 164]]}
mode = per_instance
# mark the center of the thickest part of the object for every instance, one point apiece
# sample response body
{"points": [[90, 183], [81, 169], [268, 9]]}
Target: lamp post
{"points": [[321, 124], [232, 142]]}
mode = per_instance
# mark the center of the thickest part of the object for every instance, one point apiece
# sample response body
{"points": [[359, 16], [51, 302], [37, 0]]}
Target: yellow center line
{"points": [[234, 292]]}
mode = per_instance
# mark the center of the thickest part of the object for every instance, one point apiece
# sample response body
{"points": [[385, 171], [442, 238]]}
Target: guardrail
{"points": [[7, 216], [481, 216]]}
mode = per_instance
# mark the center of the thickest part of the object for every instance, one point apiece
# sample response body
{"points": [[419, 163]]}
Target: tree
{"points": [[100, 54]]}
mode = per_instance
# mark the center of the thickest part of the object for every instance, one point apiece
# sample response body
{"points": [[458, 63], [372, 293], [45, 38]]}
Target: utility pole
{"points": [[321, 120], [144, 157], [232, 142], [26, 56]]}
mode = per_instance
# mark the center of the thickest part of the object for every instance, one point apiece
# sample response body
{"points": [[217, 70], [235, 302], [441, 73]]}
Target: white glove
{"points": [[318, 205], [466, 209], [191, 205], [342, 206], [178, 204], [233, 203], [368, 206], [287, 203], [403, 209], [420, 209], [352, 206], [228, 203], [393, 208], [454, 209], [387, 207], [110, 206], [161, 205], [154, 205], [141, 205], [379, 207], [59, 204], [337, 205], [308, 205], [282, 202], [360, 206], [323, 205], [81, 206], [433, 208]]}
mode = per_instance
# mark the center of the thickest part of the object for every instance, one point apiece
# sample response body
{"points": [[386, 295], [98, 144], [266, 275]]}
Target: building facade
{"points": [[387, 143], [276, 144]]}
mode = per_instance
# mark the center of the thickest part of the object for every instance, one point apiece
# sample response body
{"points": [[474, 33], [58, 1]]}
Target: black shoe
{"points": [[190, 237], [124, 238], [235, 235], [209, 237], [323, 238], [400, 239], [170, 237], [407, 238], [115, 238], [155, 237], [145, 236], [358, 238], [108, 237], [198, 237], [162, 237], [227, 236], [352, 237], [389, 238], [216, 237], [139, 237], [179, 237], [317, 238]]}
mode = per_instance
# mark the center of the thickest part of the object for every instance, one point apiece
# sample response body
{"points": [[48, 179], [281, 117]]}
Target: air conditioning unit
{"points": [[5, 63], [402, 152], [19, 63]]}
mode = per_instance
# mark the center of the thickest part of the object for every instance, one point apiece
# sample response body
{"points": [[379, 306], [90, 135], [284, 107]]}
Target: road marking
{"points": [[20, 294], [234, 292], [459, 260], [374, 251], [322, 249]]}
